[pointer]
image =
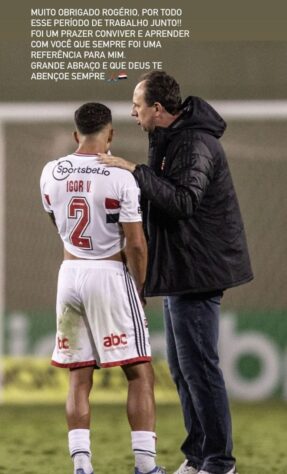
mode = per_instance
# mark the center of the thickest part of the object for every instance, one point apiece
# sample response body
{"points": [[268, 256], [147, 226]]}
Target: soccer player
{"points": [[100, 319]]}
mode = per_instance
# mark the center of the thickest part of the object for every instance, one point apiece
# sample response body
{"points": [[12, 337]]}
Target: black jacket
{"points": [[195, 232]]}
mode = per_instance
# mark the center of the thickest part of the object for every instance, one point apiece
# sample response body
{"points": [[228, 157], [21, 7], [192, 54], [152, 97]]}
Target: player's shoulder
{"points": [[123, 176], [49, 165], [53, 164]]}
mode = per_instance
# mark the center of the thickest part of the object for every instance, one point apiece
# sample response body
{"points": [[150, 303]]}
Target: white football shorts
{"points": [[100, 320]]}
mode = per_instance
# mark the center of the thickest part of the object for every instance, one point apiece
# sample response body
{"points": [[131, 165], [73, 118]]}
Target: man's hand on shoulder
{"points": [[116, 161]]}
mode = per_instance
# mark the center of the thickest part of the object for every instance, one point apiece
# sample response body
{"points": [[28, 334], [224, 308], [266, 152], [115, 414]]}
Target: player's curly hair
{"points": [[163, 88], [92, 117]]}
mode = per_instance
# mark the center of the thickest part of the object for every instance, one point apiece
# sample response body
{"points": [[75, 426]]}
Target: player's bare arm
{"points": [[110, 160], [136, 253]]}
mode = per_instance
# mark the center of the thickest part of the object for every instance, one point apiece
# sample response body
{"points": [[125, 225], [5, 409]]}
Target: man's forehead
{"points": [[139, 89]]}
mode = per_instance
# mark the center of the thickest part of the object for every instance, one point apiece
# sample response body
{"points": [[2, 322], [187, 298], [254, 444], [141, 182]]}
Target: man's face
{"points": [[144, 114]]}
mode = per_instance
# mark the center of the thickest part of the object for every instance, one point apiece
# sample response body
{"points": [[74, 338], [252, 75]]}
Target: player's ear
{"points": [[75, 134], [158, 108], [110, 136]]}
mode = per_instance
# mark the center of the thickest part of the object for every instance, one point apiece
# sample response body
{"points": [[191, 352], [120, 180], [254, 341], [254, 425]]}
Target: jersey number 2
{"points": [[79, 208]]}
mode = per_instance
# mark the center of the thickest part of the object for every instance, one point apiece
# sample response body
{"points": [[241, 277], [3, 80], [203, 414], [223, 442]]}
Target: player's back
{"points": [[88, 202]]}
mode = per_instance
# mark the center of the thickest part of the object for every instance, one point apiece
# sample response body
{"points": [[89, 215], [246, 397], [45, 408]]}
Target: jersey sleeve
{"points": [[130, 210], [44, 190]]}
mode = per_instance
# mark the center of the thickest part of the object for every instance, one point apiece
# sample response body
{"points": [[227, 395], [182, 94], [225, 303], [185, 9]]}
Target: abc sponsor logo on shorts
{"points": [[63, 169], [114, 341], [63, 343]]}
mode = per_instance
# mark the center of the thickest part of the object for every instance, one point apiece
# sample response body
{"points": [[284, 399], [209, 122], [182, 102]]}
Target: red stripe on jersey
{"points": [[112, 203], [47, 197]]}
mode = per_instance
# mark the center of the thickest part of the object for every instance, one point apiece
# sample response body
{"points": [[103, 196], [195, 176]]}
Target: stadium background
{"points": [[235, 62]]}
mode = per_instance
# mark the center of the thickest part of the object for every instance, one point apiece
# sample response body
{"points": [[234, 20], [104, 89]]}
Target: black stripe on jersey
{"points": [[112, 218], [138, 322]]}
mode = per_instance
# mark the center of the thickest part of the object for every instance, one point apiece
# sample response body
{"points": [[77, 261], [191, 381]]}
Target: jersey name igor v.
{"points": [[89, 201]]}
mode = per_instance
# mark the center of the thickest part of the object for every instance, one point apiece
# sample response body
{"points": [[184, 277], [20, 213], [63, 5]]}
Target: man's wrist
{"points": [[141, 295], [140, 289]]}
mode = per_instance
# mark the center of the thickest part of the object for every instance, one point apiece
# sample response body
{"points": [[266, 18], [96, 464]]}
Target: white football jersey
{"points": [[89, 201]]}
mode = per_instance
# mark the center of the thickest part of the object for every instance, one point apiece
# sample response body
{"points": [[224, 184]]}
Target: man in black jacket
{"points": [[197, 249]]}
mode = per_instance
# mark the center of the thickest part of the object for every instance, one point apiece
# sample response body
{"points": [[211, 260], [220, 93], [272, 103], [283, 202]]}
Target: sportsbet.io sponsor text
{"points": [[96, 43]]}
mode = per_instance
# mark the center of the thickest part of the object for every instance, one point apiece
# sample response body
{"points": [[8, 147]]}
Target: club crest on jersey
{"points": [[63, 169]]}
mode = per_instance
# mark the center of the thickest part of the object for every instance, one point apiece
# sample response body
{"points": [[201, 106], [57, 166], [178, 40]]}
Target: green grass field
{"points": [[33, 439]]}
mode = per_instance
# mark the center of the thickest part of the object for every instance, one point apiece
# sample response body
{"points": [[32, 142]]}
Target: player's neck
{"points": [[90, 151], [92, 146], [94, 143]]}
